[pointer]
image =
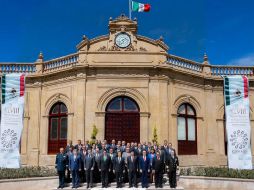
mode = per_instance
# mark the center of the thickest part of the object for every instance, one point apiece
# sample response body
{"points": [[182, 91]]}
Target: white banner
{"points": [[236, 95], [12, 109]]}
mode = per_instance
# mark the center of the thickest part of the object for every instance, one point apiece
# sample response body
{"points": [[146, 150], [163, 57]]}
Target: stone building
{"points": [[125, 84]]}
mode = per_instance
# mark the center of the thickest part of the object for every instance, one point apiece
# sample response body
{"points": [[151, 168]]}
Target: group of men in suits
{"points": [[121, 162]]}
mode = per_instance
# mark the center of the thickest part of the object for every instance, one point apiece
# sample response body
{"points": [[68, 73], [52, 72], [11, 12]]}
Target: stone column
{"points": [[34, 126], [79, 107], [100, 124], [144, 126]]}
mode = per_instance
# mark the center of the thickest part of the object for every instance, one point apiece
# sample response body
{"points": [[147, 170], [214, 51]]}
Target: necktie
{"points": [[144, 158], [132, 159], [119, 159]]}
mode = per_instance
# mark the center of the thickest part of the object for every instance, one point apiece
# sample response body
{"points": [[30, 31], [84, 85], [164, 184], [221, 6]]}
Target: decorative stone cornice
{"points": [[123, 22]]}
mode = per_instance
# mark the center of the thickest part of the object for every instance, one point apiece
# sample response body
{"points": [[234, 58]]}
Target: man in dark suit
{"points": [[144, 166], [104, 168], [113, 145], [172, 164], [112, 156], [132, 167], [89, 163], [69, 146], [78, 146], [97, 157], [61, 162], [119, 168], [75, 167], [158, 165]]}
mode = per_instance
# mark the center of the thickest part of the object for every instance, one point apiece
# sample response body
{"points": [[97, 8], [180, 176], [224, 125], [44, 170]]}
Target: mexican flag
{"points": [[12, 114], [236, 88], [140, 7], [13, 85]]}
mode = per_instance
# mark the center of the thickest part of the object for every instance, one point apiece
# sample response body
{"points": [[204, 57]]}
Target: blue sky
{"points": [[224, 29]]}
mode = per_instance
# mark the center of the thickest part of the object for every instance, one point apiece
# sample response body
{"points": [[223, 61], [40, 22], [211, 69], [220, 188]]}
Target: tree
{"points": [[94, 134], [155, 136]]}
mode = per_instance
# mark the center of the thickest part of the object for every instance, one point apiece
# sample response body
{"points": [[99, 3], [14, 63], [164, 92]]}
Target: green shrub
{"points": [[94, 134], [24, 172], [217, 172]]}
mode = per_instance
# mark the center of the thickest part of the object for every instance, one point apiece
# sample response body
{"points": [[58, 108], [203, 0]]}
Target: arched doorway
{"points": [[122, 121], [58, 124]]}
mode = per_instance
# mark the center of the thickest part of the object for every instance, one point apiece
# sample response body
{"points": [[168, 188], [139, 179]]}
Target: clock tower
{"points": [[122, 34]]}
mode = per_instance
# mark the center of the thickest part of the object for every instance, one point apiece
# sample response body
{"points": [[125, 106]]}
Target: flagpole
{"points": [[130, 9]]}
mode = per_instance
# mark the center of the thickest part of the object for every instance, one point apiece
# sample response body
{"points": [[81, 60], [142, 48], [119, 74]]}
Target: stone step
{"points": [[124, 186]]}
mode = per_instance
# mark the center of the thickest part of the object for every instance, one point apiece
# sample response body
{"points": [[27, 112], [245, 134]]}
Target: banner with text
{"points": [[237, 108], [13, 90]]}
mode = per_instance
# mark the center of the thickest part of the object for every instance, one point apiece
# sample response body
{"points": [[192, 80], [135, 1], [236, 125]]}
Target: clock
{"points": [[123, 40]]}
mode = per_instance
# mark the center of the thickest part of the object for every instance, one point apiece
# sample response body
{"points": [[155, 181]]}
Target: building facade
{"points": [[126, 84]]}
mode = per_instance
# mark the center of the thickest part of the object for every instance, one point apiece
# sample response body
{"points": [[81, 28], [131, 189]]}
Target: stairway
{"points": [[97, 186]]}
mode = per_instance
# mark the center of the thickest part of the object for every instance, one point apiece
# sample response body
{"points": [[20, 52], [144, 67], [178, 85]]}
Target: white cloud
{"points": [[247, 60]]}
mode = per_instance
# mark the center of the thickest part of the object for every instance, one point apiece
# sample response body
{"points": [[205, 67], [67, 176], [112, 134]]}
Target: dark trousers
{"points": [[144, 179], [104, 178], [75, 178], [158, 178], [111, 176], [82, 176], [172, 179], [125, 175], [61, 175], [96, 175], [68, 177], [89, 177], [119, 178], [132, 178]]}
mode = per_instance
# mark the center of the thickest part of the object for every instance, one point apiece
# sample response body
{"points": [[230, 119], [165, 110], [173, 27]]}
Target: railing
{"points": [[231, 70], [175, 61], [60, 63], [17, 68], [184, 63]]}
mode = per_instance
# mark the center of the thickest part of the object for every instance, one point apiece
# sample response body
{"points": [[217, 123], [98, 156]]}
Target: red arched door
{"points": [[122, 121], [57, 128]]}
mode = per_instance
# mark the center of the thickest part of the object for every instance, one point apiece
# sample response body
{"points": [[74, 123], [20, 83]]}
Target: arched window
{"points": [[58, 124], [187, 130], [122, 104]]}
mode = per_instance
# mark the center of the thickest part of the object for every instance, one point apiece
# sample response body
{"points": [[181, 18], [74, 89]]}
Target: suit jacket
{"points": [[74, 164], [97, 157], [132, 165], [105, 164], [112, 158], [139, 151], [113, 146], [118, 166], [163, 155], [67, 148], [144, 165], [61, 162], [173, 163], [77, 146], [89, 162], [158, 164]]}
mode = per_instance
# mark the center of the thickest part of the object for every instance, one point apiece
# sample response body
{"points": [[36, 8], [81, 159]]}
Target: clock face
{"points": [[123, 40]]}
